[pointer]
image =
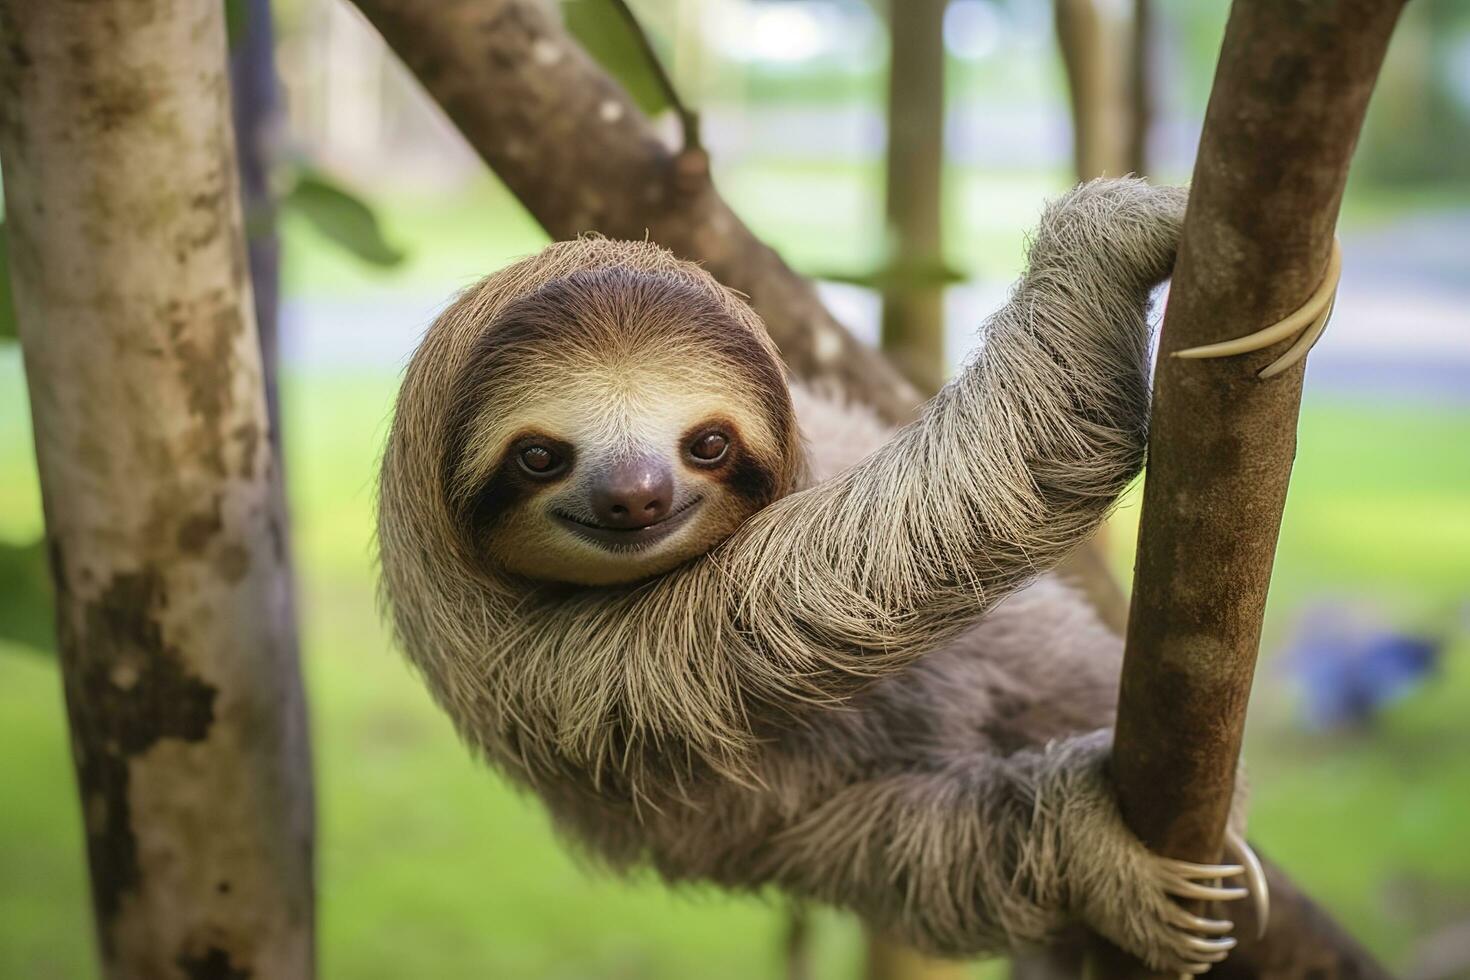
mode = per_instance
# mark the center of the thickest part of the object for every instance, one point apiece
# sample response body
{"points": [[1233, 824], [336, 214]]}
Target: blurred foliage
{"points": [[604, 32], [1420, 131], [341, 217], [25, 596]]}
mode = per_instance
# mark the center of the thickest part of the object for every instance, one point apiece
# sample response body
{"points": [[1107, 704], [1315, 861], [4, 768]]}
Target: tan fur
{"points": [[816, 702]]}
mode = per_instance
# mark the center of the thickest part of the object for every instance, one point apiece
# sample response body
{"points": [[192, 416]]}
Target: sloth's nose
{"points": [[633, 493]]}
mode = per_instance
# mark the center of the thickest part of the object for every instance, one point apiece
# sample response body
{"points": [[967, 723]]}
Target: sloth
{"points": [[736, 630]]}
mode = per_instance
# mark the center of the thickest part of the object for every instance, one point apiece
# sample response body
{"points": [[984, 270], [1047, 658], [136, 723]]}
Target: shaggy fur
{"points": [[816, 702]]}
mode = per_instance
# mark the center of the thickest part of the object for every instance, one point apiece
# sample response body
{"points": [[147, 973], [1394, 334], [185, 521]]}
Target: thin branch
{"points": [[688, 118]]}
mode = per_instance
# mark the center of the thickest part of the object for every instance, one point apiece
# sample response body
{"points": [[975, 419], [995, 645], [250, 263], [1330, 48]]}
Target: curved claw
{"points": [[1184, 888], [1211, 946], [1198, 923], [1310, 320], [1255, 876], [1189, 869]]}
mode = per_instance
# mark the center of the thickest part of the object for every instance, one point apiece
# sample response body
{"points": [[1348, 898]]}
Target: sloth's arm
{"points": [[995, 852], [1010, 466]]}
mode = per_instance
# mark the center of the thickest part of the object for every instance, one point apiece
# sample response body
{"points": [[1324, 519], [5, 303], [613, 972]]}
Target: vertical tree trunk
{"points": [[1140, 88], [1094, 49], [913, 303], [1290, 92], [177, 649]]}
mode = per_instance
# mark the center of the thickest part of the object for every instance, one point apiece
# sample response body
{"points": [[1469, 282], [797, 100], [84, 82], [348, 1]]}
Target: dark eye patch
{"points": [[746, 474], [511, 482], [751, 479]]}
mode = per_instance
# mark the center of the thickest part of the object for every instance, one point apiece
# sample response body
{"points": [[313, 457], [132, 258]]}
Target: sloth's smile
{"points": [[628, 539]]}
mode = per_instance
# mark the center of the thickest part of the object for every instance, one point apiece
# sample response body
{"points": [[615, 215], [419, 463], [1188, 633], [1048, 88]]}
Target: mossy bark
{"points": [[177, 646]]}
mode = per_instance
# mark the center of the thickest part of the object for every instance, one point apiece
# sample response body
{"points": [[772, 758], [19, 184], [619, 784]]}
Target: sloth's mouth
{"points": [[628, 539]]}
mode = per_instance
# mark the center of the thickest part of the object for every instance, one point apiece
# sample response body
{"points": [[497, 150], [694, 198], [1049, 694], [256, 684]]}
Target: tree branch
{"points": [[1289, 97], [579, 155]]}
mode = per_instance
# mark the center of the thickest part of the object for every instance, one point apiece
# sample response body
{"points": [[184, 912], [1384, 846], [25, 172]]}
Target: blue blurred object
{"points": [[1348, 669]]}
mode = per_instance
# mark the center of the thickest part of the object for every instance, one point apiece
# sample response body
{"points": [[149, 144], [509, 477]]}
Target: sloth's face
{"points": [[612, 483], [613, 426]]}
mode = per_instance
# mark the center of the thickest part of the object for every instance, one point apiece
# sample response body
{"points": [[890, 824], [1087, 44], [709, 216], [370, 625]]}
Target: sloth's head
{"points": [[613, 423]]}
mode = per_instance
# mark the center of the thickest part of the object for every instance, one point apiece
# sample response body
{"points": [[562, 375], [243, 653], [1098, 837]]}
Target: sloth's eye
{"points": [[540, 460], [710, 447]]}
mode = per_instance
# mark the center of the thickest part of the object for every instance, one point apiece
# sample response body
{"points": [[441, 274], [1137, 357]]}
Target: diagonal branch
{"points": [[579, 155]]}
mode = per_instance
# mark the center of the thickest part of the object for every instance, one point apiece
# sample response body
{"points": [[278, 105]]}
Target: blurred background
{"points": [[1359, 737]]}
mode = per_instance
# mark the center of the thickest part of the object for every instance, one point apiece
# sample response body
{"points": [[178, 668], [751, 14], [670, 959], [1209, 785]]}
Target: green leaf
{"points": [[7, 305], [341, 217], [26, 615], [602, 30]]}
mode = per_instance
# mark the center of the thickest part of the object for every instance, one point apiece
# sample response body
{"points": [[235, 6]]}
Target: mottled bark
{"points": [[913, 302], [579, 155], [177, 649], [1290, 92]]}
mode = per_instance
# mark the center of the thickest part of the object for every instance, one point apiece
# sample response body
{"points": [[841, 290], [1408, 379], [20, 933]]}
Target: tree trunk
{"points": [[1140, 88], [177, 651], [1094, 49], [913, 302], [579, 155], [1289, 97]]}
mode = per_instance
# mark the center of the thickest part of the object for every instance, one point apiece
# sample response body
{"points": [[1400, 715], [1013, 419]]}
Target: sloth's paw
{"points": [[1142, 915], [1132, 897]]}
